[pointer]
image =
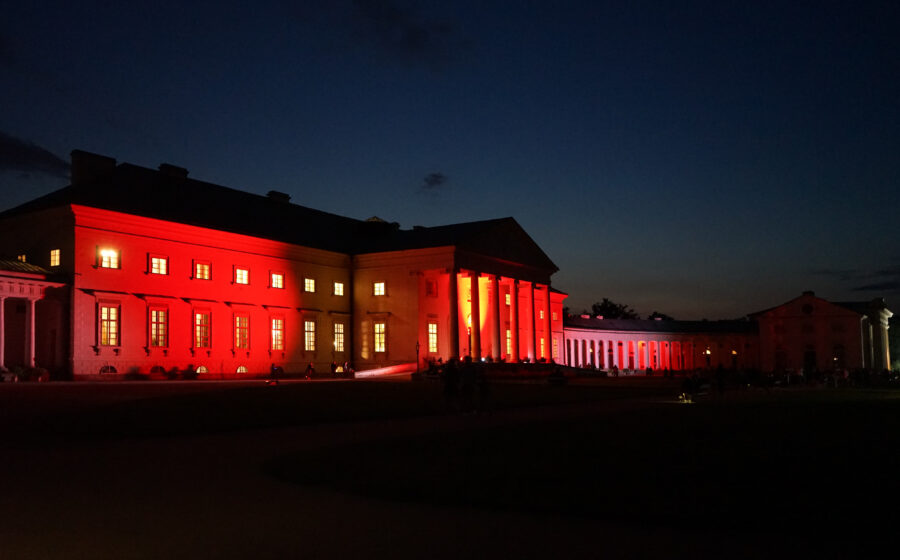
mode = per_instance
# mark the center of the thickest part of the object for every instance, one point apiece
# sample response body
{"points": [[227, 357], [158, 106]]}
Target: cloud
{"points": [[25, 157], [393, 28], [892, 285], [434, 180]]}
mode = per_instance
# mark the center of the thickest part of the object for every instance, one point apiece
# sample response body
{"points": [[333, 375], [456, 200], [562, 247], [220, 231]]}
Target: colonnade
{"points": [[513, 329], [612, 351], [29, 329]]}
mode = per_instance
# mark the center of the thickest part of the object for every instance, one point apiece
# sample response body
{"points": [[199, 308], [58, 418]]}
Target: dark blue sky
{"points": [[703, 160]]}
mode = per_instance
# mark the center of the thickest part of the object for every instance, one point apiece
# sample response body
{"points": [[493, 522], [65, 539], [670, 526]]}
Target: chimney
{"points": [[88, 168], [809, 293], [173, 170], [278, 196]]}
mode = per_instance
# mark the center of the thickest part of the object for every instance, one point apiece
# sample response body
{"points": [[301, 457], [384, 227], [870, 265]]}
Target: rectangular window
{"points": [[556, 350], [54, 257], [379, 337], [543, 349], [508, 299], [20, 258], [309, 285], [542, 313], [508, 342], [202, 270], [109, 258], [277, 280], [431, 288], [339, 337], [432, 338], [242, 331], [379, 288], [159, 265], [241, 275], [202, 323], [159, 332], [309, 336], [338, 288], [277, 333], [109, 325], [553, 315]]}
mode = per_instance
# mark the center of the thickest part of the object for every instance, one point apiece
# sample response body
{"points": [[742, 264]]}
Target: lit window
{"points": [[202, 330], [277, 333], [339, 337], [508, 342], [309, 285], [277, 280], [543, 350], [309, 336], [202, 369], [432, 338], [159, 335], [159, 265], [54, 257], [242, 331], [109, 258], [109, 325], [508, 299], [338, 288], [202, 270], [553, 315], [379, 288], [242, 369], [556, 349], [241, 276], [379, 337], [542, 313], [21, 258]]}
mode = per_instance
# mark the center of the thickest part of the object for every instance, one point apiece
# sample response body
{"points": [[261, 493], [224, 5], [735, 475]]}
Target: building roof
{"points": [[663, 326], [168, 194], [19, 266], [861, 307]]}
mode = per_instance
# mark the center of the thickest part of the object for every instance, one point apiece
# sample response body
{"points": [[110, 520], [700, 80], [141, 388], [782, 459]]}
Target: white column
{"points": [[29, 338]]}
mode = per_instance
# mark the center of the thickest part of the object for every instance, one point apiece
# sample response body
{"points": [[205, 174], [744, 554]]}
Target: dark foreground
{"points": [[383, 469]]}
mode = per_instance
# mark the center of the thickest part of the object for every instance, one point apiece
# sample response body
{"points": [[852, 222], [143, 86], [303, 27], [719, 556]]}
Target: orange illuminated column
{"points": [[495, 311], [475, 345], [453, 313], [532, 308], [514, 320], [548, 325]]}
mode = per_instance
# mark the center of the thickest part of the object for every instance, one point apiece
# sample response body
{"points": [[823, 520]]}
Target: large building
{"points": [[131, 270], [134, 270]]}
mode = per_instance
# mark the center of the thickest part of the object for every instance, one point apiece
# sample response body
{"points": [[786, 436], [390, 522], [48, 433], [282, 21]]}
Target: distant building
{"points": [[811, 333], [133, 270]]}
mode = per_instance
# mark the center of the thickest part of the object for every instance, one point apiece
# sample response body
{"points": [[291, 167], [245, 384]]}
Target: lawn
{"points": [[810, 461]]}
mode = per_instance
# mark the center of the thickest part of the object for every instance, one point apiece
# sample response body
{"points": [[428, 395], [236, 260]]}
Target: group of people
{"points": [[466, 387]]}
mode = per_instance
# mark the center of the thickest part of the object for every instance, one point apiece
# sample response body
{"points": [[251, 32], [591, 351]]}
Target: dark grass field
{"points": [[808, 462]]}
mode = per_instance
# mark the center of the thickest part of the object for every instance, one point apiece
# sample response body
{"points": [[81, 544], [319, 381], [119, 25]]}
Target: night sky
{"points": [[705, 160]]}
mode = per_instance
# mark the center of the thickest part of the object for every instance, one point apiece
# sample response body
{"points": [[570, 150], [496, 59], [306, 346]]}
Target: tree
{"points": [[661, 316], [612, 310]]}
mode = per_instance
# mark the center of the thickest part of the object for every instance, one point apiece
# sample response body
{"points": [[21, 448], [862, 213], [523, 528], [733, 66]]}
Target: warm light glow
{"points": [[432, 338], [339, 337], [309, 285], [159, 336], [21, 258], [241, 332], [309, 336], [338, 288], [201, 330], [379, 288], [241, 276], [379, 337], [508, 299], [277, 280], [109, 258], [202, 271], [277, 333], [159, 265], [54, 257], [109, 325]]}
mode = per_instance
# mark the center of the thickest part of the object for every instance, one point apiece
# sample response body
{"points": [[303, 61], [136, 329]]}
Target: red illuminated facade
{"points": [[155, 273]]}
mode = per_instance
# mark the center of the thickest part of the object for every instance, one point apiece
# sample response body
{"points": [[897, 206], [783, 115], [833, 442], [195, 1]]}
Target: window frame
{"points": [[207, 264], [116, 306], [55, 257], [309, 335], [157, 331], [380, 338], [432, 337], [379, 289], [338, 341], [337, 289], [113, 259], [276, 343], [154, 259], [273, 274], [309, 285], [241, 342], [236, 277], [196, 328]]}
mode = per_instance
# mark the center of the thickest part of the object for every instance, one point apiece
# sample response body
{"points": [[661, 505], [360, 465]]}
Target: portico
{"points": [[21, 287]]}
